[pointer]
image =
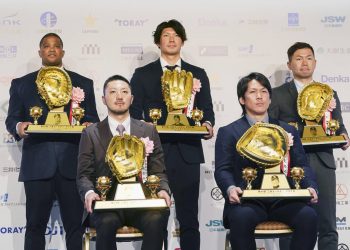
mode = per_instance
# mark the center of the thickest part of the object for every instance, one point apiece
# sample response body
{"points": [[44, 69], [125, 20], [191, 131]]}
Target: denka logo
{"points": [[333, 19], [48, 19], [335, 79]]}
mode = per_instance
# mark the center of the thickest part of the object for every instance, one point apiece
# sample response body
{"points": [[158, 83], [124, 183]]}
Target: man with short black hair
{"points": [[183, 154]]}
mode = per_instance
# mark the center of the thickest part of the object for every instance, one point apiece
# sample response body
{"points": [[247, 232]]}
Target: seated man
{"points": [[241, 217], [91, 165]]}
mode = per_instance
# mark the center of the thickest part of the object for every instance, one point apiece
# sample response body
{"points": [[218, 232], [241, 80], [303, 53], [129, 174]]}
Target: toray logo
{"points": [[130, 23], [48, 19], [333, 19]]}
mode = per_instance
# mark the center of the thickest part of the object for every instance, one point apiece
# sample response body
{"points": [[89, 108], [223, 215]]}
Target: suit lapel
{"points": [[292, 90], [104, 134]]}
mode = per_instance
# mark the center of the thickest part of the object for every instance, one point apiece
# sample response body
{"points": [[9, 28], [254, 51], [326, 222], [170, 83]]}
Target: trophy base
{"points": [[54, 129], [172, 129], [277, 193], [101, 206], [336, 141]]}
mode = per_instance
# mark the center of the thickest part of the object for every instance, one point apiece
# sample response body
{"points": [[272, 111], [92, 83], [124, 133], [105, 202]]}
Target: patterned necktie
{"points": [[171, 68], [120, 129]]}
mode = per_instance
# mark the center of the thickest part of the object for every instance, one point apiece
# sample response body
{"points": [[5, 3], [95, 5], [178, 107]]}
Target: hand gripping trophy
{"points": [[267, 145], [55, 88], [313, 102], [179, 89], [126, 157]]}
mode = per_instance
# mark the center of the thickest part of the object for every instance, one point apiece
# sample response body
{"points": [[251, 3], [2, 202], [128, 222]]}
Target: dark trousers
{"points": [[184, 181], [152, 223], [244, 218], [40, 195]]}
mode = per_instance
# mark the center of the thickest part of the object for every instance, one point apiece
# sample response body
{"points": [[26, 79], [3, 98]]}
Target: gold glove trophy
{"points": [[55, 88], [177, 93], [125, 157], [312, 104], [267, 145]]}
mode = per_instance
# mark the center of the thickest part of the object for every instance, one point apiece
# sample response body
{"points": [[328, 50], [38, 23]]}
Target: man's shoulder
{"points": [[282, 87], [191, 67], [27, 76], [148, 66], [75, 75]]}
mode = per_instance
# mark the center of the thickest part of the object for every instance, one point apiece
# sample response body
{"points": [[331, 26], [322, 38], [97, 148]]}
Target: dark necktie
{"points": [[171, 68], [120, 129]]}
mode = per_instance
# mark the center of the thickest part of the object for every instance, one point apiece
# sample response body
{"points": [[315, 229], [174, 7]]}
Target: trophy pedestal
{"points": [[54, 129], [171, 129], [130, 195], [314, 136], [275, 185]]}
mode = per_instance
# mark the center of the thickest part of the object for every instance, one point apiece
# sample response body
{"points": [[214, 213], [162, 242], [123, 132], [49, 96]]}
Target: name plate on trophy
{"points": [[55, 88]]}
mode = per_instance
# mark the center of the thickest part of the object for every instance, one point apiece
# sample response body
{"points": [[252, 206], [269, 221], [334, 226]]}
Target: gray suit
{"points": [[284, 107], [91, 164]]}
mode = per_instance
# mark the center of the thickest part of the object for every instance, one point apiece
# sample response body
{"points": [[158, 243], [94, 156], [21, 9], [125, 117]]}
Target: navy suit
{"points": [[242, 218], [284, 107], [49, 162], [183, 154]]}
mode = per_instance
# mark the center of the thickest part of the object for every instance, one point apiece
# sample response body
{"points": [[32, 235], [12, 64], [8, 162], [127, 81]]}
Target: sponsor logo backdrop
{"points": [[227, 38]]}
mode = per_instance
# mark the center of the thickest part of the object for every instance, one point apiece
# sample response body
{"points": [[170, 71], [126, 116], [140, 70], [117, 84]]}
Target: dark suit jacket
{"points": [[43, 154], [147, 91], [92, 151], [229, 164], [284, 107]]}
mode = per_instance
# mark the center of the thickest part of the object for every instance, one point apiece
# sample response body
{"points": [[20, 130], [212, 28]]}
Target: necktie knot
{"points": [[171, 68], [120, 129]]}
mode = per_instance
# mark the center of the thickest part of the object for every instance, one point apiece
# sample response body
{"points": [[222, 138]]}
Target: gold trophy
{"points": [[267, 145], [155, 115], [177, 89], [55, 88], [103, 184], [125, 157], [312, 104]]}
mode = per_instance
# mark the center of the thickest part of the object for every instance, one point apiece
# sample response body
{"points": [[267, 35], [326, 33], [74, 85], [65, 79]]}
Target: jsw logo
{"points": [[333, 19], [215, 223]]}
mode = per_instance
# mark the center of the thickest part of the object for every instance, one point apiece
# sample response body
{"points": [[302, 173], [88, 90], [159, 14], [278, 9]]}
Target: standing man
{"points": [[49, 161], [301, 61], [183, 155], [91, 165]]}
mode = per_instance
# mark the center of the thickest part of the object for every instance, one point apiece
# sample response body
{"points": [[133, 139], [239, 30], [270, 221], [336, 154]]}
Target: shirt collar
{"points": [[252, 121], [164, 63], [299, 85], [113, 124]]}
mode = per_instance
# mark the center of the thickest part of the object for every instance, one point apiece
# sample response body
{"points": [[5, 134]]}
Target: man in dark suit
{"points": [[301, 61], [91, 165], [49, 161], [183, 154], [241, 217]]}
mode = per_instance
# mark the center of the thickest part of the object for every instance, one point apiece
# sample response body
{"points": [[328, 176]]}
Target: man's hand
{"points": [[164, 195], [233, 196], [91, 197], [210, 130], [345, 147], [87, 124], [21, 129], [314, 198]]}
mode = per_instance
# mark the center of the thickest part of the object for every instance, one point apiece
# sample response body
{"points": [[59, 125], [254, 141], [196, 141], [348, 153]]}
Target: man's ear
{"points": [[241, 100], [288, 65], [132, 99], [39, 53], [104, 100]]}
